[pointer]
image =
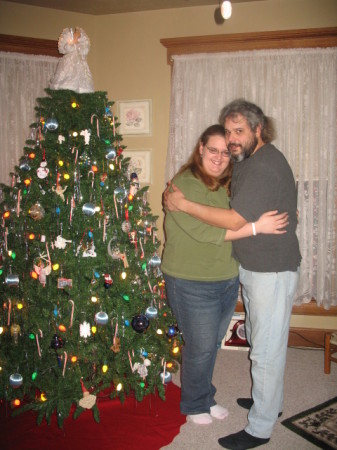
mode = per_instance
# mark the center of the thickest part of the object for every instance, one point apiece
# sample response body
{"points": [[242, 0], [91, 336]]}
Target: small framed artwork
{"points": [[135, 117], [140, 163]]}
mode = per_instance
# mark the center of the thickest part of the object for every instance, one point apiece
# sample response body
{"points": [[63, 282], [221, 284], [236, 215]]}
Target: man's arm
{"points": [[218, 217], [269, 223]]}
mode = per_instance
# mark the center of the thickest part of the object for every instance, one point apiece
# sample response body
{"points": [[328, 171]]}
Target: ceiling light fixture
{"points": [[226, 9]]}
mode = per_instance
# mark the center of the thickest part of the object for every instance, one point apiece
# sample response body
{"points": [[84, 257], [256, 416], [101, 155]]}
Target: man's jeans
{"points": [[203, 311], [268, 299]]}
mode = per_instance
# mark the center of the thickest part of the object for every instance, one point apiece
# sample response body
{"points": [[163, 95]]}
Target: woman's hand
{"points": [[272, 223], [173, 198]]}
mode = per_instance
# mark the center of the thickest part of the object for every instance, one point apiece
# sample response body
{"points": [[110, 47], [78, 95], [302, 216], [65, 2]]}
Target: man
{"points": [[262, 181]]}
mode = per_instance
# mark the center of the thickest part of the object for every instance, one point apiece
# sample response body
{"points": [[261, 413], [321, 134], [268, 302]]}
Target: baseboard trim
{"points": [[307, 337]]}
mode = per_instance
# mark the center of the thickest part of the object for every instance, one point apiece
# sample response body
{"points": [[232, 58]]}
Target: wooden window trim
{"points": [[31, 46], [305, 38]]}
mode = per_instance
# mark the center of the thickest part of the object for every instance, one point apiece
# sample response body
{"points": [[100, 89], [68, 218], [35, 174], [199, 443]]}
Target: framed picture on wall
{"points": [[140, 163], [135, 117]]}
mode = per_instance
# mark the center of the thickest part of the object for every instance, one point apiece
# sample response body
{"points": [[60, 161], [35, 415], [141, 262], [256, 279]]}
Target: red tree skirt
{"points": [[150, 424]]}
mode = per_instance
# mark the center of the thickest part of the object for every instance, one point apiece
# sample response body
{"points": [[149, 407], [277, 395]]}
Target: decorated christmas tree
{"points": [[83, 308]]}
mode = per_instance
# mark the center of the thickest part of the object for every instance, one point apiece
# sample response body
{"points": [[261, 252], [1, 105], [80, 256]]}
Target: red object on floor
{"points": [[149, 424]]}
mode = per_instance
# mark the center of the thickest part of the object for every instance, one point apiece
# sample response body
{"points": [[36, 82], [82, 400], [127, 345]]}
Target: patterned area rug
{"points": [[318, 425]]}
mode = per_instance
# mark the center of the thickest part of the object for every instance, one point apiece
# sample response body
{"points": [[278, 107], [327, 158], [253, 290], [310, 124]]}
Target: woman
{"points": [[200, 274]]}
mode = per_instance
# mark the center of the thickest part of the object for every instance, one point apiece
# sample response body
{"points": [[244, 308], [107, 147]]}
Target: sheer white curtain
{"points": [[298, 88], [23, 78]]}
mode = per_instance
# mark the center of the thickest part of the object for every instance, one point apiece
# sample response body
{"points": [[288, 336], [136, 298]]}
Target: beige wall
{"points": [[128, 61]]}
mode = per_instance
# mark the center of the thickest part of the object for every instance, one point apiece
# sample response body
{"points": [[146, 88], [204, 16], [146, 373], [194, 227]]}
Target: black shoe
{"points": [[241, 441], [247, 403]]}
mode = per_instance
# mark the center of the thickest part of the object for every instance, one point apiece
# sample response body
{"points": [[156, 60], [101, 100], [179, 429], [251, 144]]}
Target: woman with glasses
{"points": [[200, 274]]}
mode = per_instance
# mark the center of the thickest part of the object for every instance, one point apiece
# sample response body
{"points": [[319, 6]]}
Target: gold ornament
{"points": [[36, 212], [15, 332]]}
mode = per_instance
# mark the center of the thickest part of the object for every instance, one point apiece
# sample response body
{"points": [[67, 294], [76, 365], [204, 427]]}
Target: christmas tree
{"points": [[83, 308]]}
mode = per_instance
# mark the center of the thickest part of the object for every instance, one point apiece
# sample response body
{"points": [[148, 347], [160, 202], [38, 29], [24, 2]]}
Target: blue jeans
{"points": [[268, 299], [203, 311]]}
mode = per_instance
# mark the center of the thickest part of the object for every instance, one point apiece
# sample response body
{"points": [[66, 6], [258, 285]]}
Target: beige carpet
{"points": [[306, 386]]}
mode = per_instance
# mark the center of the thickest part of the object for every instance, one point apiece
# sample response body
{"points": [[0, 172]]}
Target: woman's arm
{"points": [[268, 223], [218, 217]]}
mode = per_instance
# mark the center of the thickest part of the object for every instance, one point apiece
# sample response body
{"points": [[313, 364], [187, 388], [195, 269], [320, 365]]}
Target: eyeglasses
{"points": [[216, 152]]}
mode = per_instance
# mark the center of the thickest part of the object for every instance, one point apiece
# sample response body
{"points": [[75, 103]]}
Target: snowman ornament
{"points": [[42, 171]]}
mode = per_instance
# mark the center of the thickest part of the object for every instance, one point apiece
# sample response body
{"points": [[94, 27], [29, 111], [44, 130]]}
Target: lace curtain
{"points": [[298, 88], [23, 78]]}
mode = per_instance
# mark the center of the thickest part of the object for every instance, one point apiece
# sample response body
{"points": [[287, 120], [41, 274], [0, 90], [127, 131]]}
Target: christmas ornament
{"points": [[89, 251], [107, 281], [85, 330], [51, 124], [42, 171], [61, 139], [166, 377], [140, 323], [63, 283], [43, 271], [151, 312], [56, 342], [120, 194], [155, 261], [15, 332], [24, 165], [88, 400], [88, 209], [12, 279], [59, 190], [36, 212], [126, 226], [111, 153], [134, 185], [141, 369], [116, 346], [86, 134], [15, 380], [172, 331], [101, 318], [60, 242]]}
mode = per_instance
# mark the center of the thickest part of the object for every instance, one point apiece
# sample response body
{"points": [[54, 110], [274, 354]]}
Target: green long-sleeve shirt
{"points": [[194, 250]]}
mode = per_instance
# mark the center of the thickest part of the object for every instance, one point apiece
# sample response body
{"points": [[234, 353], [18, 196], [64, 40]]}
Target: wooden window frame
{"points": [[31, 46], [305, 38]]}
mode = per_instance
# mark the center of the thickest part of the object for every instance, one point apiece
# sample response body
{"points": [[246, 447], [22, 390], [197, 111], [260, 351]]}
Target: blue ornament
{"points": [[15, 380], [24, 165], [101, 318], [111, 153], [51, 124], [127, 323], [57, 210], [166, 377], [172, 331], [151, 312]]}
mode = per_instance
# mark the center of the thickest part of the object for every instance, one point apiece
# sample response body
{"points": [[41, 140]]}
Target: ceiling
{"points": [[102, 7]]}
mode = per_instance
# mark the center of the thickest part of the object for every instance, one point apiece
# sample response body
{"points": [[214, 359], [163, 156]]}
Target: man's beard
{"points": [[245, 151]]}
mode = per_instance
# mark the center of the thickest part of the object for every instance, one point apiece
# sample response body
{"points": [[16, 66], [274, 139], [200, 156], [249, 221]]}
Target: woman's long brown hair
{"points": [[194, 163]]}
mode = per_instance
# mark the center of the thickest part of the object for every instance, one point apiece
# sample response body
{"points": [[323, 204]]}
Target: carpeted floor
{"points": [[318, 425], [149, 424], [306, 386]]}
